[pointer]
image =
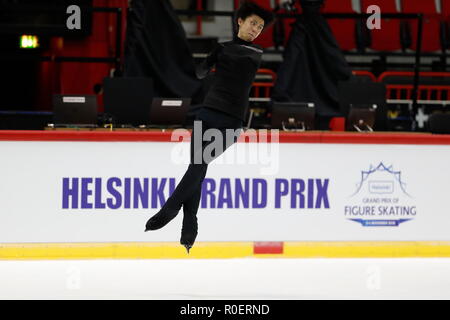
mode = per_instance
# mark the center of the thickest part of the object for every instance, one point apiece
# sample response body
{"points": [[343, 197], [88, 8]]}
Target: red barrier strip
{"points": [[387, 138], [94, 136], [249, 136], [268, 248]]}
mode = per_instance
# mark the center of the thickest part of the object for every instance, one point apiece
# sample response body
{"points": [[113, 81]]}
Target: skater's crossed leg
{"points": [[195, 174]]}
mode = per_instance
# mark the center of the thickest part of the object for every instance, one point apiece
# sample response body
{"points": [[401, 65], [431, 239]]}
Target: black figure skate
{"points": [[189, 229], [163, 217]]}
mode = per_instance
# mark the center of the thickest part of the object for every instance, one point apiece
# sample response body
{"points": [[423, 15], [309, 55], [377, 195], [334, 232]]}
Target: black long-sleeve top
{"points": [[236, 63]]}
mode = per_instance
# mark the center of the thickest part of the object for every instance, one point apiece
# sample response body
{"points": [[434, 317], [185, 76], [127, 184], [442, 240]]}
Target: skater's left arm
{"points": [[204, 68]]}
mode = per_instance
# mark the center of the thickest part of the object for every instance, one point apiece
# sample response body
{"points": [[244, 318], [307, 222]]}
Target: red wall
{"points": [[76, 77]]}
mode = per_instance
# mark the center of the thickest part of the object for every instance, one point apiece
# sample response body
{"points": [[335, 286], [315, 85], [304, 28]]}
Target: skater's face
{"points": [[250, 28]]}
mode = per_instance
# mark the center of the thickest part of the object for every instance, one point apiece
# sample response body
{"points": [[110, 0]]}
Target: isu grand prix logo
{"points": [[381, 193], [382, 187]]}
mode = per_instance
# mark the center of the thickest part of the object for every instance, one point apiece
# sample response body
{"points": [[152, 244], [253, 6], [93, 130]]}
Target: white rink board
{"points": [[389, 182]]}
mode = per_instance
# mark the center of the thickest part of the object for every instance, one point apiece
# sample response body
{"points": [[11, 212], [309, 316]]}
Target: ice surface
{"points": [[227, 279]]}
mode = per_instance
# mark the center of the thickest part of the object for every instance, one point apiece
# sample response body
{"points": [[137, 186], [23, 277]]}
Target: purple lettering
{"points": [[98, 194], [127, 193], [70, 193], [242, 193], [86, 193], [140, 194], [263, 184], [208, 187], [116, 194], [310, 193], [172, 185], [298, 187], [158, 192], [322, 194], [225, 187], [281, 189]]}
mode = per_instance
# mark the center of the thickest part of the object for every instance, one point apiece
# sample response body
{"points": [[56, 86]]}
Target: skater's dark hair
{"points": [[249, 8]]}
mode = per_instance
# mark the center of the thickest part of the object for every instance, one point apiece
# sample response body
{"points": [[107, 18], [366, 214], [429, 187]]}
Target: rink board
{"points": [[89, 194], [225, 250]]}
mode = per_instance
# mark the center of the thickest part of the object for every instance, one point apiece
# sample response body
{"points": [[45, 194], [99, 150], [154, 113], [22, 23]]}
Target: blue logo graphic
{"points": [[381, 186], [380, 194], [380, 223]]}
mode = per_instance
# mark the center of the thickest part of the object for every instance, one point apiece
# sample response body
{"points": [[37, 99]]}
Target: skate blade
{"points": [[188, 247]]}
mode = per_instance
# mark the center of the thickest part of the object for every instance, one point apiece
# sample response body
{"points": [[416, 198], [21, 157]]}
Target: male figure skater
{"points": [[225, 107]]}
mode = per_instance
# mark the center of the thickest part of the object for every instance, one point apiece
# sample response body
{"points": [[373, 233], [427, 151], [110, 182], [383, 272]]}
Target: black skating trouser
{"points": [[188, 191]]}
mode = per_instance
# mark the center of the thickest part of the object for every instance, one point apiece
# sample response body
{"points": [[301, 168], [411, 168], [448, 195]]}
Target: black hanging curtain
{"points": [[313, 63], [156, 47]]}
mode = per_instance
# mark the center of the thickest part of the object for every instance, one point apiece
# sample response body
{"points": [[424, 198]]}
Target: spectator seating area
{"points": [[396, 38], [395, 34], [434, 86], [433, 93]]}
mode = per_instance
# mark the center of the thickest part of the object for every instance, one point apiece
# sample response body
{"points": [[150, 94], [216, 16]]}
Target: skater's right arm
{"points": [[204, 68]]}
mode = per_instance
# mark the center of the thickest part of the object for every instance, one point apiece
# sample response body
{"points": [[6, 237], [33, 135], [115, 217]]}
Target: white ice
{"points": [[227, 279]]}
